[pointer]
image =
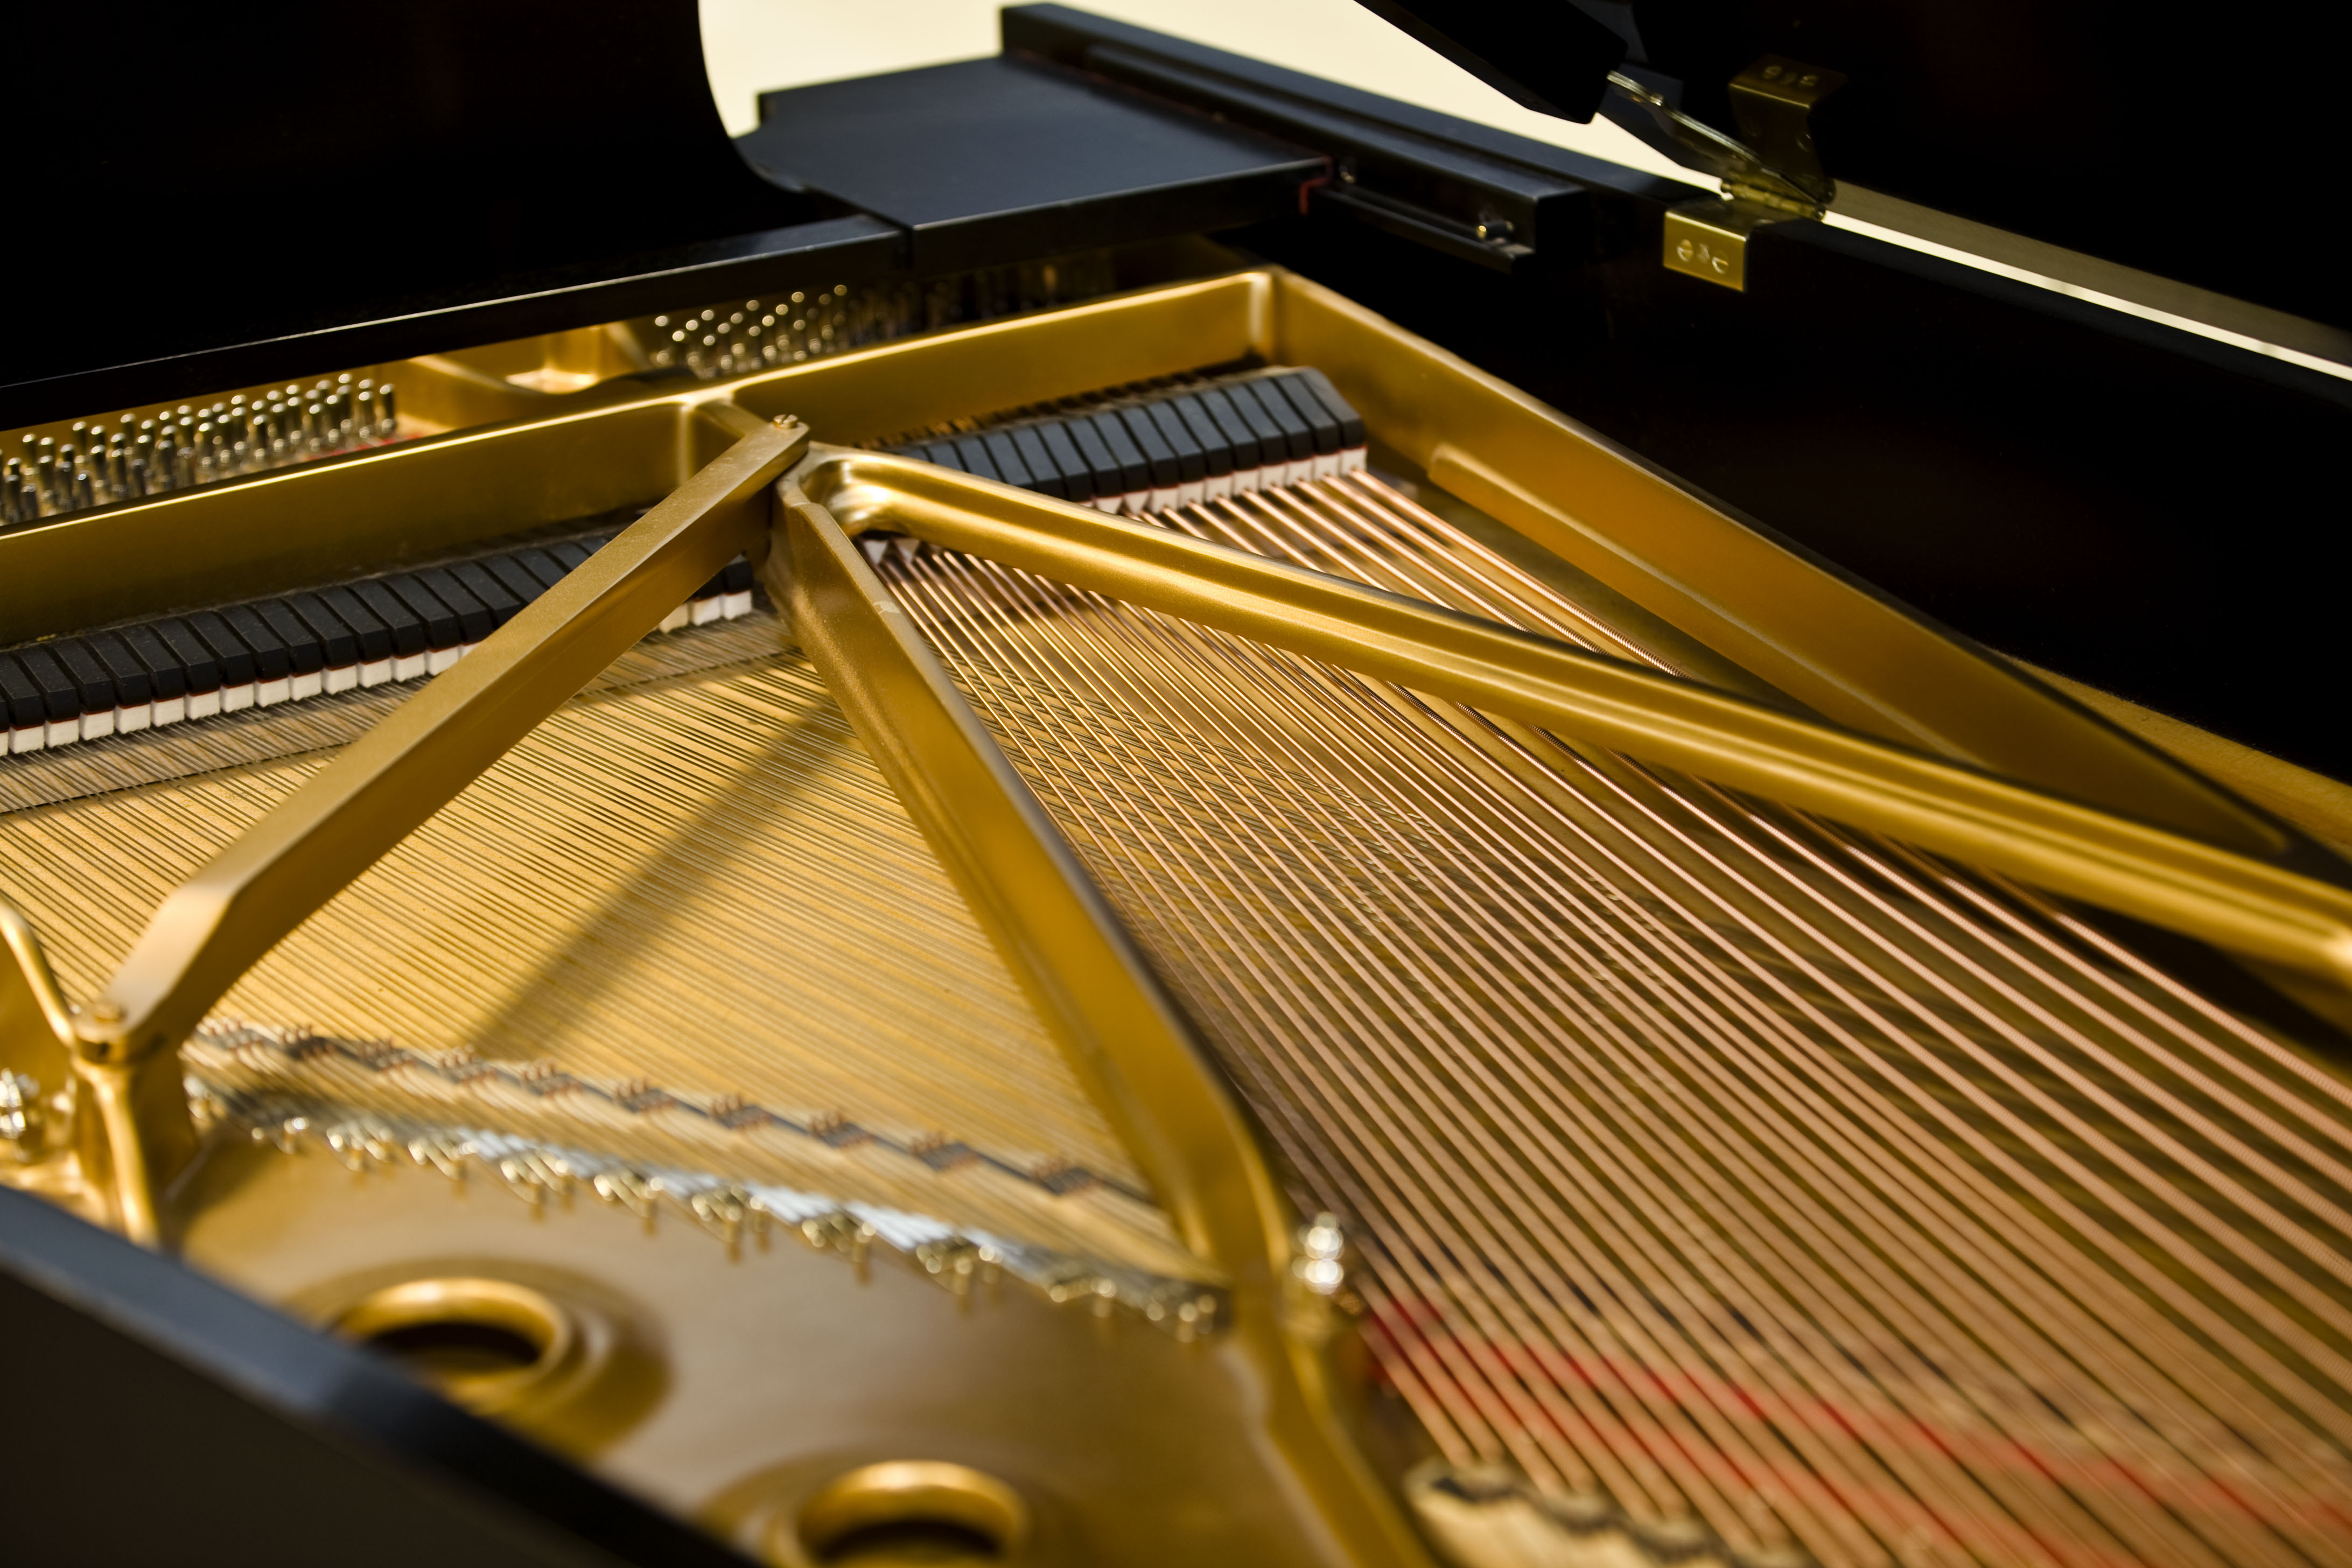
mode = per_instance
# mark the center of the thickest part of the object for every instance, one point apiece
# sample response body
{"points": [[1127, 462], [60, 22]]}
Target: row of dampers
{"points": [[374, 632], [1180, 449]]}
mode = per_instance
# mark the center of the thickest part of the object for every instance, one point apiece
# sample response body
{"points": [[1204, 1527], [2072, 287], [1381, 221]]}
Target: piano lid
{"points": [[278, 186], [2155, 139], [221, 200]]}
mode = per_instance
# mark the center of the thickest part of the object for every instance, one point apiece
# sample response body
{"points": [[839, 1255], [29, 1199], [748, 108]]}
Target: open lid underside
{"points": [[2088, 125]]}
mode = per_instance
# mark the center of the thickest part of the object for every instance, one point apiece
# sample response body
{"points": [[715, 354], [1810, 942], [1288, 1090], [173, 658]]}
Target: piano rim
{"points": [[1913, 731]]}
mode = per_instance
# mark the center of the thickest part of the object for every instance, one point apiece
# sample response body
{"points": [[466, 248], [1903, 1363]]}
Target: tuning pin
{"points": [[387, 412]]}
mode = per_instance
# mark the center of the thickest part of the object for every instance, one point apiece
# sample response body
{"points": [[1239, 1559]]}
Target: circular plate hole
{"points": [[485, 1344], [910, 1541], [910, 1511], [454, 1348]]}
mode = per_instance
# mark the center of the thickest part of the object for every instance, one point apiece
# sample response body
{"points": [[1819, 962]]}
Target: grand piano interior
{"points": [[1108, 806]]}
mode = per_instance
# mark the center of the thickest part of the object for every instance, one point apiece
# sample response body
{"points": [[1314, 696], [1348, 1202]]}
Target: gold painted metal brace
{"points": [[2219, 895]]}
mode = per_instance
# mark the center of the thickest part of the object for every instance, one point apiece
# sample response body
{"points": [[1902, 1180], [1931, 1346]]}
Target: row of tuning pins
{"points": [[721, 341], [727, 340], [181, 447]]}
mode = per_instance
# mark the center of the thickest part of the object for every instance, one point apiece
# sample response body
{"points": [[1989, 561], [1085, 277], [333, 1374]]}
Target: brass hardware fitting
{"points": [[1770, 175], [1772, 102], [1708, 239]]}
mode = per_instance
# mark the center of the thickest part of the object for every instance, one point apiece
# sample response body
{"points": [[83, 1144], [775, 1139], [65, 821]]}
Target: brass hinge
{"points": [[1770, 172], [1708, 237]]}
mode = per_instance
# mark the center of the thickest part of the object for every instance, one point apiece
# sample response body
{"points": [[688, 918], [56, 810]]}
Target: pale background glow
{"points": [[755, 43]]}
